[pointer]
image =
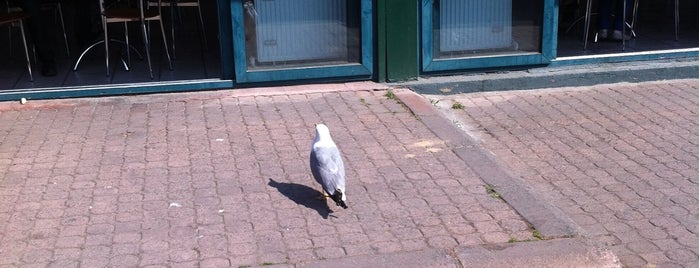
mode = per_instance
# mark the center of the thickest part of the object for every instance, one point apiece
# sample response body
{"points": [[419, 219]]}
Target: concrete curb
{"points": [[417, 259], [555, 77], [550, 253], [544, 217]]}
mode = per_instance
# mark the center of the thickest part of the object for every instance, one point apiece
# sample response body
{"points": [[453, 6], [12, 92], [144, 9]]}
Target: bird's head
{"points": [[322, 131]]}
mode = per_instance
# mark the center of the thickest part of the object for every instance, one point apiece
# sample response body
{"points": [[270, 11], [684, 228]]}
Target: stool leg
{"points": [[128, 46], [588, 9], [26, 51], [167, 53], [677, 19], [63, 27], [634, 16], [147, 43], [173, 6], [201, 24], [106, 44], [623, 27]]}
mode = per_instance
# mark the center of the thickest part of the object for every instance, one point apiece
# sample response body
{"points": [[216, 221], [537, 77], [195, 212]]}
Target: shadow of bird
{"points": [[302, 195]]}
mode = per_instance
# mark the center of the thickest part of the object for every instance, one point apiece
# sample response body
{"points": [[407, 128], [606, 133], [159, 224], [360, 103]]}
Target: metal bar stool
{"points": [[677, 18], [588, 14], [56, 5], [112, 12], [58, 8], [18, 17], [176, 4]]}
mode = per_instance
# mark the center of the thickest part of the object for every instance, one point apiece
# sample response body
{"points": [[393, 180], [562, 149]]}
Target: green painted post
{"points": [[380, 58], [398, 40]]}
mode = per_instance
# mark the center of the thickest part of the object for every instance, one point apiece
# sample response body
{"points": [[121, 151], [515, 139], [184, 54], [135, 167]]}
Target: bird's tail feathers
{"points": [[342, 204]]}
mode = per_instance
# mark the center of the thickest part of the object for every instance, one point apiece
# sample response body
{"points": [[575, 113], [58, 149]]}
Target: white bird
{"points": [[327, 166]]}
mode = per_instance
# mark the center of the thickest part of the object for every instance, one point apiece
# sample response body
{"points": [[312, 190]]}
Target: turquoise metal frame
{"points": [[225, 38], [116, 89], [547, 53], [365, 69], [225, 82]]}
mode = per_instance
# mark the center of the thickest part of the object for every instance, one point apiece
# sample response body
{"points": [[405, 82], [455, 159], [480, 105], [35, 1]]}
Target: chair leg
{"points": [[586, 32], [167, 53], [63, 27], [106, 44], [147, 44], [677, 19], [634, 16], [26, 51], [126, 38], [201, 25], [173, 6], [623, 27]]}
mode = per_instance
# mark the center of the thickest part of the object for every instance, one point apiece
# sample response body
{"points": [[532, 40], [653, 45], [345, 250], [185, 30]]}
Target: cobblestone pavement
{"points": [[621, 160], [222, 179]]}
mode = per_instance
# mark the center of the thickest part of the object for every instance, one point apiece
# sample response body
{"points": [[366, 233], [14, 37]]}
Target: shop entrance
{"points": [[195, 52], [275, 40], [653, 29]]}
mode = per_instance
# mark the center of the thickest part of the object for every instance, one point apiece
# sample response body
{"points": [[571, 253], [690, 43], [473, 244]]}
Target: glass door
{"points": [[276, 40], [458, 34]]}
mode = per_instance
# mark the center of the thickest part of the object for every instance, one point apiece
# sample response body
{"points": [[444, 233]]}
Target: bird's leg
{"points": [[323, 195]]}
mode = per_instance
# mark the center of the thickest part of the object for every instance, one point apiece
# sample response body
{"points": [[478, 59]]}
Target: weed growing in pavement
{"points": [[392, 96], [457, 106], [537, 235], [515, 240], [491, 192], [389, 94]]}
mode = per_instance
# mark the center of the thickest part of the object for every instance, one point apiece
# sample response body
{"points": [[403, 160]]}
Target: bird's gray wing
{"points": [[315, 167], [327, 168]]}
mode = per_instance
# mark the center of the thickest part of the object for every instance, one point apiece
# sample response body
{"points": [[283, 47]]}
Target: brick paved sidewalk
{"points": [[621, 160], [222, 179]]}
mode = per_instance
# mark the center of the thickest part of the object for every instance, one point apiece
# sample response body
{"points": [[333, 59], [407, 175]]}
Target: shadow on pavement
{"points": [[302, 195]]}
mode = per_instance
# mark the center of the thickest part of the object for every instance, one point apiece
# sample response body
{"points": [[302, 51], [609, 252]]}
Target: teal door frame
{"points": [[225, 30], [365, 69], [548, 45]]}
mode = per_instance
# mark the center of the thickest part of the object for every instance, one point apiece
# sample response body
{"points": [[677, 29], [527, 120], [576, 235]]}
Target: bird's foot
{"points": [[323, 196]]}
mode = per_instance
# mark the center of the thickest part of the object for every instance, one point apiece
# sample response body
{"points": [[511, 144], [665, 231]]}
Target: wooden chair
{"points": [[174, 5], [19, 17], [114, 12]]}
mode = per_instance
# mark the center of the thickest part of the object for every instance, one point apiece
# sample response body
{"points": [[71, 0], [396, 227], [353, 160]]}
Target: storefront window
{"points": [[478, 28], [299, 33]]}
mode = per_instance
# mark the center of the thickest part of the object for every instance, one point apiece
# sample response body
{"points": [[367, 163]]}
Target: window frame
{"points": [[549, 34], [364, 69]]}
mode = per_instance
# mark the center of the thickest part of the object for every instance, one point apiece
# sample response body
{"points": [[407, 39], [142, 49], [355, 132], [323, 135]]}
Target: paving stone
{"points": [[186, 180], [637, 138]]}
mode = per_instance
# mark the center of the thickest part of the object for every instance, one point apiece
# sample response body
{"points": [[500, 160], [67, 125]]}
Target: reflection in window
{"points": [[298, 33], [464, 28]]}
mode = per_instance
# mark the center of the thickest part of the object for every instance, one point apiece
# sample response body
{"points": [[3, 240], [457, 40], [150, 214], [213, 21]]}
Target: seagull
{"points": [[327, 166]]}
